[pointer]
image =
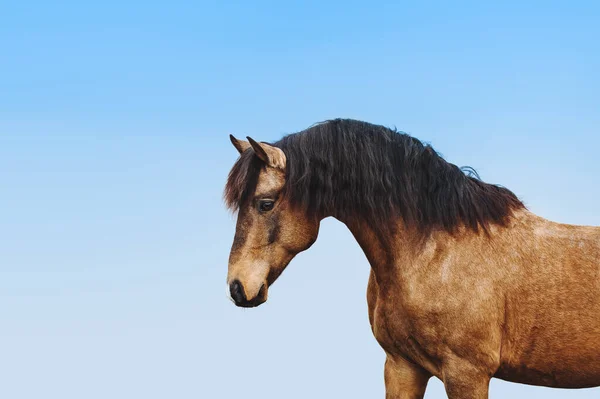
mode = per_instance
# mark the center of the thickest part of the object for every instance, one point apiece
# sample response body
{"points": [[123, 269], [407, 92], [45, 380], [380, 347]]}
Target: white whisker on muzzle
{"points": [[228, 293]]}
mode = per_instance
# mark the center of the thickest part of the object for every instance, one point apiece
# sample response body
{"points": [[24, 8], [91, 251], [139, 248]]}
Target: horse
{"points": [[466, 284]]}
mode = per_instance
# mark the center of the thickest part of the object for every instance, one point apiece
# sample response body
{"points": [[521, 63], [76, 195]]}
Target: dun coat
{"points": [[466, 284]]}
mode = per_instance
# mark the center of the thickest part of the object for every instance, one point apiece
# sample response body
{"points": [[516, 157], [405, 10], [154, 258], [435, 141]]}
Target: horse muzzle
{"points": [[238, 295]]}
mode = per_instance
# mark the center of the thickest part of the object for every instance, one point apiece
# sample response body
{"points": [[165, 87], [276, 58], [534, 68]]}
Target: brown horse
{"points": [[466, 284]]}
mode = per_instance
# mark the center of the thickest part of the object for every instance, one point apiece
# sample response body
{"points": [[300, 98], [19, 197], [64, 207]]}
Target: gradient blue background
{"points": [[113, 154]]}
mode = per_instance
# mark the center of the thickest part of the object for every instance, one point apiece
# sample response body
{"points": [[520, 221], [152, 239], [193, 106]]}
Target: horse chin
{"points": [[253, 303]]}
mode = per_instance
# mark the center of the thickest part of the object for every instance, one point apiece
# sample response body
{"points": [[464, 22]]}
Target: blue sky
{"points": [[113, 154]]}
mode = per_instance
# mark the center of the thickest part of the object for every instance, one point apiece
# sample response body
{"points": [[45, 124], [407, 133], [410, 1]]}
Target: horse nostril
{"points": [[237, 292]]}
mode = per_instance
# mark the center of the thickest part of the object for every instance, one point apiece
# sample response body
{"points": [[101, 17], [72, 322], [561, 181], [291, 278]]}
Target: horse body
{"points": [[466, 284], [514, 305]]}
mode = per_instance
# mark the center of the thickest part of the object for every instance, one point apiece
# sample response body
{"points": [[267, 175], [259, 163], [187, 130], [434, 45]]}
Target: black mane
{"points": [[348, 168]]}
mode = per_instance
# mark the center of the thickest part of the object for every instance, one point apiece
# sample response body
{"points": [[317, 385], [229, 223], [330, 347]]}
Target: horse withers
{"points": [[466, 284]]}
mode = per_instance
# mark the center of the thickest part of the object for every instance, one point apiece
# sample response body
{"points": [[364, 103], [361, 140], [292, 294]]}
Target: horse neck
{"points": [[383, 252], [406, 247]]}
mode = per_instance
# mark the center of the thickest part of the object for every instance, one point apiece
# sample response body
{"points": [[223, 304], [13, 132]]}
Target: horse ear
{"points": [[270, 155], [240, 145]]}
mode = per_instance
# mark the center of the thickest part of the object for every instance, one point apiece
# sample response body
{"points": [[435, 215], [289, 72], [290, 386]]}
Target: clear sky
{"points": [[114, 123]]}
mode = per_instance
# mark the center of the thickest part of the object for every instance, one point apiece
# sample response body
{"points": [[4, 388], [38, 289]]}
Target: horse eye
{"points": [[266, 206]]}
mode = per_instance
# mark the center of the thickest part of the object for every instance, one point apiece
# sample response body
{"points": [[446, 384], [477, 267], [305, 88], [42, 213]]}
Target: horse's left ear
{"points": [[270, 155], [239, 145]]}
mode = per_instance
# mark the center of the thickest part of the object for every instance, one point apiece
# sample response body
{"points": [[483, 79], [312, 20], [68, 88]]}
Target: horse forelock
{"points": [[242, 179]]}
